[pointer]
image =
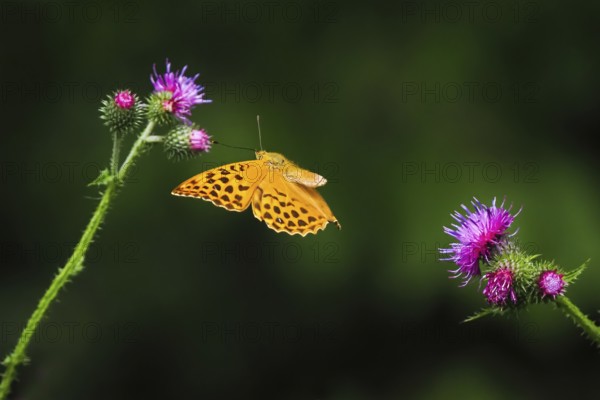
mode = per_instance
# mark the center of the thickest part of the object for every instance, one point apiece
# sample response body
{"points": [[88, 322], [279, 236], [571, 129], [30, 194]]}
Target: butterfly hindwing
{"points": [[289, 207], [230, 186]]}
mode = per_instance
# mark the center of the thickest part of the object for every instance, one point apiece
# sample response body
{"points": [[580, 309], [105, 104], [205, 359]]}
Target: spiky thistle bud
{"points": [[551, 283], [122, 112], [186, 141], [500, 286]]}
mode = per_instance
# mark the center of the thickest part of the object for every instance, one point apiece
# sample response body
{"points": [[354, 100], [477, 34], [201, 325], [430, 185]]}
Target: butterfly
{"points": [[282, 194]]}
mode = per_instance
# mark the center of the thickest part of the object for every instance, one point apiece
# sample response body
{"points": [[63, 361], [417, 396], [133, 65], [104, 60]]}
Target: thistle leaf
{"points": [[103, 179], [483, 313], [571, 276]]}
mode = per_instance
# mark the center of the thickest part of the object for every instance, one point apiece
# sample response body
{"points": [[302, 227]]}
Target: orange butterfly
{"points": [[282, 194]]}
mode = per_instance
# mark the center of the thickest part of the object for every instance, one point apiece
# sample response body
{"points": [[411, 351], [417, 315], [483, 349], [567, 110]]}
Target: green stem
{"points": [[72, 266], [579, 318], [136, 151], [114, 160], [18, 355]]}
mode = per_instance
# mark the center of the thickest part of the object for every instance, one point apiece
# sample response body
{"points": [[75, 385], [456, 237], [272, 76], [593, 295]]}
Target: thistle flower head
{"points": [[551, 283], [499, 287], [186, 141], [479, 234], [121, 111], [124, 99], [199, 141], [178, 94]]}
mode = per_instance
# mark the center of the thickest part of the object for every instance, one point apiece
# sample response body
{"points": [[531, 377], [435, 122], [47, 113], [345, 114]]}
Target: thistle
{"points": [[174, 97], [513, 278], [186, 141], [479, 233], [122, 112]]}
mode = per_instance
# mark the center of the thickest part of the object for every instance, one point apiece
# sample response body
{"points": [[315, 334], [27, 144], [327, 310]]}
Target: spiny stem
{"points": [[18, 355], [114, 160], [579, 318], [135, 151], [72, 266]]}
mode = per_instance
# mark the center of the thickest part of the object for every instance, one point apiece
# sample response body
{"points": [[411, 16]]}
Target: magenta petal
{"points": [[185, 93], [478, 233], [551, 283], [499, 287]]}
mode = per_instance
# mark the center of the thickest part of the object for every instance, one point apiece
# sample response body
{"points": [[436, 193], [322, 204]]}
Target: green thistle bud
{"points": [[186, 141], [122, 112], [524, 272], [159, 108]]}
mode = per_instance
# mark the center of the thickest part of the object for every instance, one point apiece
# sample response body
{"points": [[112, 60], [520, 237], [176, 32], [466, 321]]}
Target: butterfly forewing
{"points": [[230, 186], [293, 173]]}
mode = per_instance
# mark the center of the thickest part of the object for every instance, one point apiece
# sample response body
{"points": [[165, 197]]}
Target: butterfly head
{"points": [[274, 159]]}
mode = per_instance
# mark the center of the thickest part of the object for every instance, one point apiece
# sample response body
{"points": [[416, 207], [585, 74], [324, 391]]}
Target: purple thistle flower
{"points": [[551, 283], [199, 141], [499, 287], [185, 94], [478, 233], [124, 99]]}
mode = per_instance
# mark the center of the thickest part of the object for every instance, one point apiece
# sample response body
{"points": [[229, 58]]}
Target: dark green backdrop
{"points": [[409, 110]]}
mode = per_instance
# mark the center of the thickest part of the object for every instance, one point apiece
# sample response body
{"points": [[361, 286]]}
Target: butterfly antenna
{"points": [[259, 135], [233, 147]]}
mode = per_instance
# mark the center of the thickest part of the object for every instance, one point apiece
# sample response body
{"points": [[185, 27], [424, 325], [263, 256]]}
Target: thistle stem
{"points": [[579, 318], [135, 152], [114, 160], [74, 263]]}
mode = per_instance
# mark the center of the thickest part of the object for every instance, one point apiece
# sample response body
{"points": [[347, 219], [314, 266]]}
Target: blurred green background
{"points": [[409, 109]]}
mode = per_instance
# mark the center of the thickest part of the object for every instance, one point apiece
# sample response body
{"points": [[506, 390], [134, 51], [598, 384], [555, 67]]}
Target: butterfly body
{"points": [[282, 194]]}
